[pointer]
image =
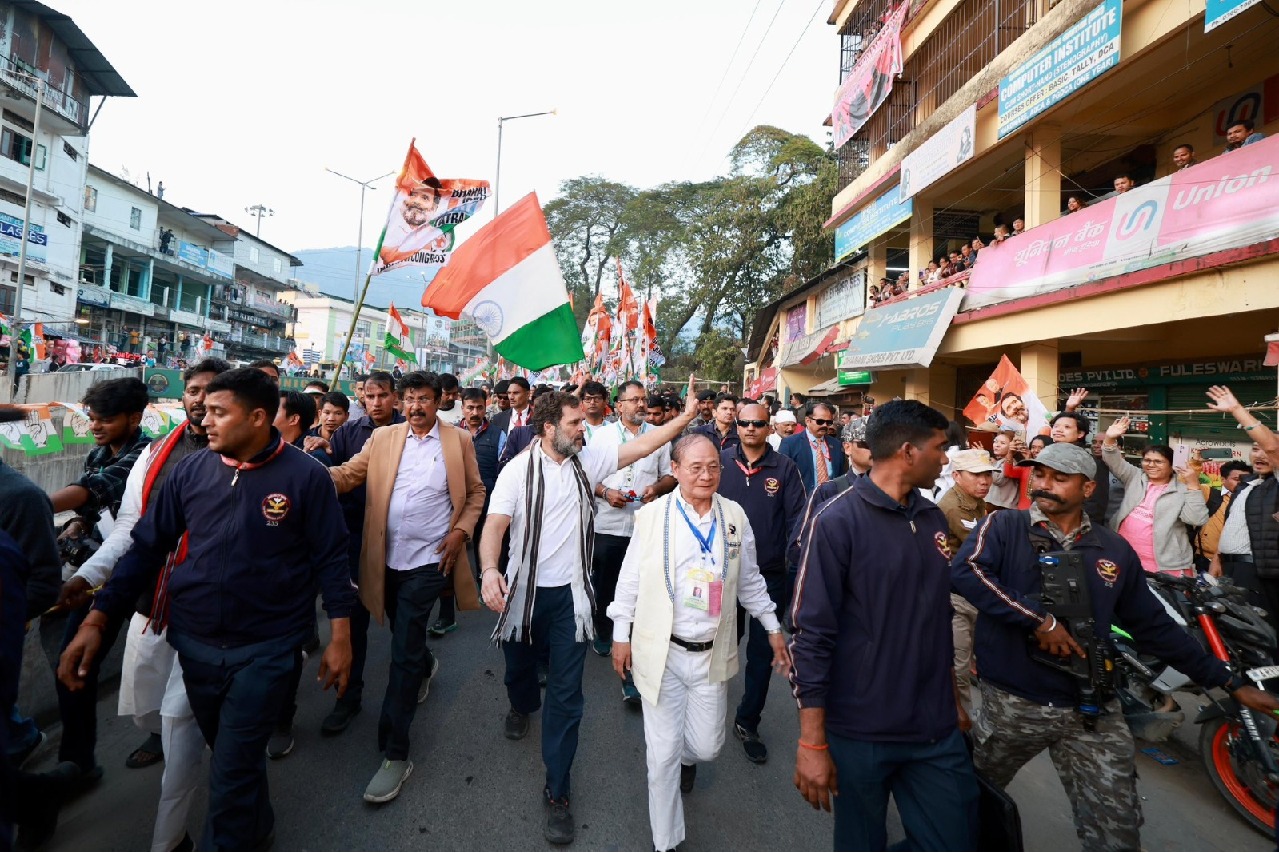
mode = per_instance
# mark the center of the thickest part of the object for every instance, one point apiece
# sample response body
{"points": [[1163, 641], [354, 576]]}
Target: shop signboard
{"points": [[1217, 12], [903, 334], [1215, 371], [939, 156], [1065, 65], [874, 219], [1227, 202], [206, 259], [796, 322], [843, 299], [11, 239]]}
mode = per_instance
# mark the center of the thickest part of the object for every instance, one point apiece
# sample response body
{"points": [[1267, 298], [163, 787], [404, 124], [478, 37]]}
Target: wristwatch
{"points": [[775, 631]]}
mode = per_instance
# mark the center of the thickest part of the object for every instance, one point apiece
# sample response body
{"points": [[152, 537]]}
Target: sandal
{"points": [[151, 752]]}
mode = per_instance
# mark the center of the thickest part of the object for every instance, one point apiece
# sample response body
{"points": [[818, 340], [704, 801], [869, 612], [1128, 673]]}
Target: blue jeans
{"points": [[554, 628], [410, 595], [759, 654], [236, 695], [933, 785]]}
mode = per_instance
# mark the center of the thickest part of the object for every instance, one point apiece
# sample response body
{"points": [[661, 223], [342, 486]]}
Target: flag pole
{"points": [[355, 316]]}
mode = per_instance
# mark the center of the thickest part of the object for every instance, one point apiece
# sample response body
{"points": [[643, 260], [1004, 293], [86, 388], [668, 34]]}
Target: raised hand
{"points": [[1222, 399], [1117, 429]]}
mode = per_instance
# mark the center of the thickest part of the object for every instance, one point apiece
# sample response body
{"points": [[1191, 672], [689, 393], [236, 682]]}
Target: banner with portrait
{"points": [[1005, 402]]}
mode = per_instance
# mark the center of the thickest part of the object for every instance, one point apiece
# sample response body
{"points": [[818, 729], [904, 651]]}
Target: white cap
{"points": [[784, 416]]}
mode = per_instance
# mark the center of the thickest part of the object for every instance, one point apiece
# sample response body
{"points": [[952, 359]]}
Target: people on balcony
{"points": [[1241, 133], [1183, 156]]}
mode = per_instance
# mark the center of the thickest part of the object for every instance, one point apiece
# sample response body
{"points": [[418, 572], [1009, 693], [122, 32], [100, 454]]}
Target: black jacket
{"points": [[27, 515], [1263, 531]]}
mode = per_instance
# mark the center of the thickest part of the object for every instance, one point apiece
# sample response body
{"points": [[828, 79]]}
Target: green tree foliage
{"points": [[714, 251]]}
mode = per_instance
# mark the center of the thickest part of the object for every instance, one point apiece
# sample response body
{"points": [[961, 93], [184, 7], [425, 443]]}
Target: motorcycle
{"points": [[1238, 746]]}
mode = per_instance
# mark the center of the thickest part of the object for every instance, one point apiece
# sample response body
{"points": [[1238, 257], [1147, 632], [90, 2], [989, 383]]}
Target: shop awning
{"points": [[830, 386], [902, 334], [809, 348]]}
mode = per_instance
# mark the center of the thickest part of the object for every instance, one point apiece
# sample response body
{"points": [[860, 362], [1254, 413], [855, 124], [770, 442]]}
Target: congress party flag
{"points": [[1007, 402], [399, 342], [424, 212], [508, 279]]}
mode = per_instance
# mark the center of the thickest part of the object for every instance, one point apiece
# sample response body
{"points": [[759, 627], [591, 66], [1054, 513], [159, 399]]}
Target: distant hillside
{"points": [[334, 271]]}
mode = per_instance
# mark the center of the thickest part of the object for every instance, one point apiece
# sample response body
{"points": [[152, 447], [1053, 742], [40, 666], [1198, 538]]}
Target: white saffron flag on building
{"points": [[507, 278], [424, 212]]}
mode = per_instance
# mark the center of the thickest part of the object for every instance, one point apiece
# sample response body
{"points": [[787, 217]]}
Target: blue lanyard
{"points": [[703, 542]]}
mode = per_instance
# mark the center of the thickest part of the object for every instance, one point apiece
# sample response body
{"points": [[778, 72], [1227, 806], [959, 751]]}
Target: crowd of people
{"points": [[656, 532]]}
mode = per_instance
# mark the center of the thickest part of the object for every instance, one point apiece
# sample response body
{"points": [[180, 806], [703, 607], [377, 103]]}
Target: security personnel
{"points": [[1028, 706], [261, 529], [768, 487]]}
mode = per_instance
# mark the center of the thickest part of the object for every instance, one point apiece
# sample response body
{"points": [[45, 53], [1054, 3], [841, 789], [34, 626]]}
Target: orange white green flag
{"points": [[424, 212], [399, 341], [507, 278]]}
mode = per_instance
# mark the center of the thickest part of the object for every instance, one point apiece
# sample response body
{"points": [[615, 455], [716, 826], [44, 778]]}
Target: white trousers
{"points": [[686, 726], [151, 685]]}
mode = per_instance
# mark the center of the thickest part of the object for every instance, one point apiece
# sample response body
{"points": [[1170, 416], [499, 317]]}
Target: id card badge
{"points": [[717, 597], [699, 584]]}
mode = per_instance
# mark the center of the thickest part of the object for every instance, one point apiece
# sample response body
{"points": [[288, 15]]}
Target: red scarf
{"points": [[160, 457]]}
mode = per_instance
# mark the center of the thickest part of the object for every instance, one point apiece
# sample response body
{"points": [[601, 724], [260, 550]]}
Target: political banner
{"points": [[1227, 202], [1065, 65], [939, 155], [424, 212], [35, 435], [1005, 401], [868, 84]]}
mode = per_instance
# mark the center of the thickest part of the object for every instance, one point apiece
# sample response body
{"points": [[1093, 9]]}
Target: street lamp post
{"points": [[497, 180], [259, 210], [359, 242], [15, 327]]}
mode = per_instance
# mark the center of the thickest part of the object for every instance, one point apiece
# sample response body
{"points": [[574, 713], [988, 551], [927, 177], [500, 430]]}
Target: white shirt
{"points": [[774, 441], [451, 416], [635, 477], [1234, 535], [421, 510], [690, 623], [519, 417], [559, 557]]}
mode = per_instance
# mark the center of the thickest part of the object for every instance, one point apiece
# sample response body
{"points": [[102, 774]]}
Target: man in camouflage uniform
{"points": [[1028, 706]]}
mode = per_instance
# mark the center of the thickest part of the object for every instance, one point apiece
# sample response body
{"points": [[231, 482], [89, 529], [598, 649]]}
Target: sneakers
{"points": [[630, 693], [516, 726], [602, 647], [280, 744], [559, 820], [387, 781], [439, 628], [425, 689], [687, 776], [339, 718], [756, 752]]}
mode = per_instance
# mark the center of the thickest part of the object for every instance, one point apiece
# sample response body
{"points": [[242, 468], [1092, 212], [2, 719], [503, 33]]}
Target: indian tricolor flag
{"points": [[399, 342], [507, 278]]}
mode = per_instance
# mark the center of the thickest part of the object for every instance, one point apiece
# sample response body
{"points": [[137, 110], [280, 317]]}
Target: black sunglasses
{"points": [[756, 424], [822, 421]]}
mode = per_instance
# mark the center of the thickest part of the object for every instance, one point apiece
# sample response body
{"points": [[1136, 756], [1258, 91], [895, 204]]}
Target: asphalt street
{"points": [[472, 789]]}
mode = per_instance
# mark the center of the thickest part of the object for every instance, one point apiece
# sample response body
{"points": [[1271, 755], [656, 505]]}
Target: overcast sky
{"points": [[241, 103]]}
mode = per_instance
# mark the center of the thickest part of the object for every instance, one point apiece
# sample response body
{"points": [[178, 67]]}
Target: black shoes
{"points": [[339, 718], [559, 820], [687, 776], [516, 725], [756, 752]]}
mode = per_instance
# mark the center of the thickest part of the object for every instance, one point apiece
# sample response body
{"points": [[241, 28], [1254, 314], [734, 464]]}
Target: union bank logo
{"points": [[1139, 220]]}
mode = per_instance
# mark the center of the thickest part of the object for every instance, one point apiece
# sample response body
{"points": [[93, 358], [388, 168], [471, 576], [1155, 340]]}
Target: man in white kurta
{"points": [[691, 558]]}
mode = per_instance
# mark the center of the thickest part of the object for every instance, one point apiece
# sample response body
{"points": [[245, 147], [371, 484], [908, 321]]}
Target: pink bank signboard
{"points": [[1224, 203]]}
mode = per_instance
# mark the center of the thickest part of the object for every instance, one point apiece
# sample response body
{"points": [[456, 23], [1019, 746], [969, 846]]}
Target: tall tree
{"points": [[584, 220]]}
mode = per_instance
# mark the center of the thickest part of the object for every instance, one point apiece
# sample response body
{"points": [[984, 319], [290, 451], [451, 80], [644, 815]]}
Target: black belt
{"points": [[692, 647], [1236, 558]]}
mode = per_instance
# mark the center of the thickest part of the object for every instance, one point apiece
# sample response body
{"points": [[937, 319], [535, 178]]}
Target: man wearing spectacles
{"points": [[617, 497], [594, 408], [816, 453], [768, 488]]}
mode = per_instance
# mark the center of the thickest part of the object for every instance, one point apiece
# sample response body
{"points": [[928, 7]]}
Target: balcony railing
{"points": [[14, 73]]}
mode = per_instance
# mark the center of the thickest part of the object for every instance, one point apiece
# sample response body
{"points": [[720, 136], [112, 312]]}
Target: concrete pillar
{"points": [[1043, 176], [147, 275], [877, 263], [934, 386], [106, 267], [1039, 369], [177, 301], [208, 299], [921, 239]]}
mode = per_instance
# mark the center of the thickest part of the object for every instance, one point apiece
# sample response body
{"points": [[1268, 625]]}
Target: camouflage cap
{"points": [[1065, 457]]}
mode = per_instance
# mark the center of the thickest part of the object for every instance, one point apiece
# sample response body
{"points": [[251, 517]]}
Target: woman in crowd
{"points": [[1004, 490], [1159, 510]]}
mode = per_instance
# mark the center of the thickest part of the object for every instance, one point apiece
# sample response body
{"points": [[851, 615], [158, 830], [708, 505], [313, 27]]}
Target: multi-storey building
{"points": [[43, 50], [150, 267], [1005, 111]]}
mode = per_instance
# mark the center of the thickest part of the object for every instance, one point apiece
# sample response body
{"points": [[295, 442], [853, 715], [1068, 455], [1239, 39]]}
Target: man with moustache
{"points": [[723, 427], [964, 504], [258, 527], [784, 425], [766, 485], [424, 496], [816, 453], [1028, 706], [151, 679], [545, 497]]}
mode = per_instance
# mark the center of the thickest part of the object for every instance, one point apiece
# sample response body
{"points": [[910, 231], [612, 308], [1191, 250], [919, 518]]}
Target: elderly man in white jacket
{"points": [[690, 560]]}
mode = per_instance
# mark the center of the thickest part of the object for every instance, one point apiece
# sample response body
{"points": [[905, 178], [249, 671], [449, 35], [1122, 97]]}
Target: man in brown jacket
{"points": [[964, 505], [424, 497]]}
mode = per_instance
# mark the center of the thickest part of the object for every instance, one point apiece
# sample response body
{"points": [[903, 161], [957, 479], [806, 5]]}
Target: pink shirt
{"points": [[1139, 527]]}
